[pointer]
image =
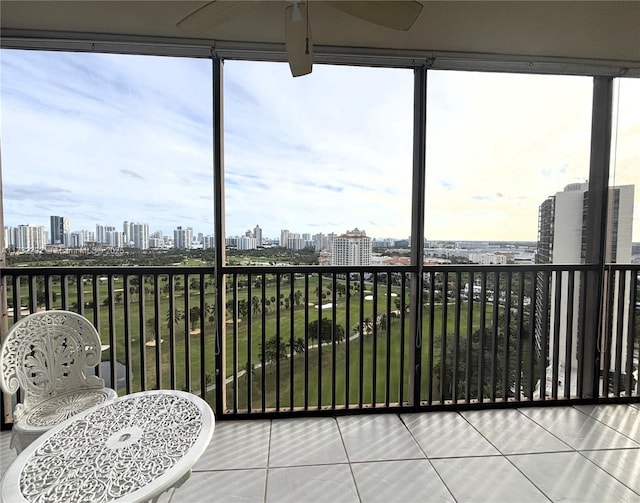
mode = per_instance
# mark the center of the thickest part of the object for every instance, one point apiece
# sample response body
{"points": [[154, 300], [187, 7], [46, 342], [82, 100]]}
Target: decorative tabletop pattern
{"points": [[116, 449]]}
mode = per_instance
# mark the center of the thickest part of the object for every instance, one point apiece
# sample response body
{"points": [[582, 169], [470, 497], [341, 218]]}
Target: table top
{"points": [[131, 449]]}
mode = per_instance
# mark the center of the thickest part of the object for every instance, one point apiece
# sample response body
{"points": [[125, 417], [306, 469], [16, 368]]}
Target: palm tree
{"points": [[194, 316], [175, 317], [381, 321], [210, 312], [255, 305], [243, 308]]}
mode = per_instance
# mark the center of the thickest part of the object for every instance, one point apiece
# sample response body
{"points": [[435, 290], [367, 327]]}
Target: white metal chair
{"points": [[45, 355]]}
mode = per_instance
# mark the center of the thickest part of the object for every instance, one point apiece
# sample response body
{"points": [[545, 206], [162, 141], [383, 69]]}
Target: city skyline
{"points": [[331, 151], [152, 232], [100, 233]]}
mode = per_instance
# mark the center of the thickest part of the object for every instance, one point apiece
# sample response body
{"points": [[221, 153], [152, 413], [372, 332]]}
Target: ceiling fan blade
{"points": [[297, 39], [396, 14], [208, 16]]}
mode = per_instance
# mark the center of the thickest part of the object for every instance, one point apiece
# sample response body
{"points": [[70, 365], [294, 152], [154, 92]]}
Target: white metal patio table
{"points": [[132, 449]]}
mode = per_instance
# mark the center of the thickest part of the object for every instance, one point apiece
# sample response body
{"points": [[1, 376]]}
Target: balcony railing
{"points": [[305, 339]]}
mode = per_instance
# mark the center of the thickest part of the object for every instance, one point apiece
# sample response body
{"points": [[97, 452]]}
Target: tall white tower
{"points": [[562, 239]]}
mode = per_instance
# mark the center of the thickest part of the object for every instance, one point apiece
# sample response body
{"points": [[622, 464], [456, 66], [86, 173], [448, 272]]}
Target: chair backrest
{"points": [[45, 354]]}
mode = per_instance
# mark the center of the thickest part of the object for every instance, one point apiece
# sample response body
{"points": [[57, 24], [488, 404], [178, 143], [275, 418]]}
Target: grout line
{"points": [[505, 457], [481, 434], [346, 451], [266, 478], [588, 414], [571, 447], [428, 459], [603, 469]]}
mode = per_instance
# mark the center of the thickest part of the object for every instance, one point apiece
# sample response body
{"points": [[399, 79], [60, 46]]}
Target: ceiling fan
{"points": [[394, 14]]}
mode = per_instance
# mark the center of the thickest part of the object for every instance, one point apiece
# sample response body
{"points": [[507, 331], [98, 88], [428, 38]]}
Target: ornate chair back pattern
{"points": [[45, 354]]}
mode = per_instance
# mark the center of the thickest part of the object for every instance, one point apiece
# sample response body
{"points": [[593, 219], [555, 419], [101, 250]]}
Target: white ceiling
{"points": [[606, 31]]}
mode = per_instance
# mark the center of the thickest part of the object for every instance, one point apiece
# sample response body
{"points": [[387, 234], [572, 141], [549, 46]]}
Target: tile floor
{"points": [[579, 453]]}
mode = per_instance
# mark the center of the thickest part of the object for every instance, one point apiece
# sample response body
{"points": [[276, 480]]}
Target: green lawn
{"points": [[320, 372]]}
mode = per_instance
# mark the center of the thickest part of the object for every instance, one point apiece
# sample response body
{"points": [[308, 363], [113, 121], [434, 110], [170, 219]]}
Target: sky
{"points": [[106, 138]]}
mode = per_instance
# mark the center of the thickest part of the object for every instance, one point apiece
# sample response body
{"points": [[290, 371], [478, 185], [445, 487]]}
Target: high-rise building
{"points": [[114, 238], [100, 234], [29, 238], [562, 228], [295, 242], [246, 243], [284, 238], [562, 239], [59, 230], [352, 248], [155, 243], [89, 236], [128, 232], [76, 240], [321, 242], [9, 238], [182, 238], [103, 233], [208, 242], [257, 233], [139, 236]]}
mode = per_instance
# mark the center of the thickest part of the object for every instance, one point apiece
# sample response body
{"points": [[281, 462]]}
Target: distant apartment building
{"points": [[320, 242], [238, 242], [295, 242], [29, 238], [208, 242], [100, 233], [89, 236], [284, 238], [76, 240], [352, 248], [126, 230], [114, 238], [246, 243], [6, 240], [59, 230], [488, 258], [384, 243], [562, 239], [105, 235], [156, 243], [139, 236], [182, 238], [257, 233]]}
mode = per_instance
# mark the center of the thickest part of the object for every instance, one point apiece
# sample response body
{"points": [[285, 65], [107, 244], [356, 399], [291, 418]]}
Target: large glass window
{"points": [[107, 159], [625, 173], [308, 159], [102, 142], [498, 147]]}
